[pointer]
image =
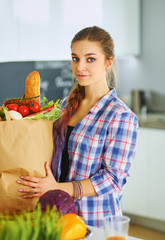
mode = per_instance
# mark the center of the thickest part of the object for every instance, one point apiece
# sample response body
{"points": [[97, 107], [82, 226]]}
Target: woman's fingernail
{"points": [[22, 177], [20, 190], [18, 181], [47, 164], [24, 197]]}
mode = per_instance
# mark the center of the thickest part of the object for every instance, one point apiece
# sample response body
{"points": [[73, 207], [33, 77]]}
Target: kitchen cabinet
{"points": [[157, 174], [43, 30], [145, 193], [122, 21], [8, 32]]}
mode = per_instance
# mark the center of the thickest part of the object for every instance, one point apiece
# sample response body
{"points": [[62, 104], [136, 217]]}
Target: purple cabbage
{"points": [[60, 199]]}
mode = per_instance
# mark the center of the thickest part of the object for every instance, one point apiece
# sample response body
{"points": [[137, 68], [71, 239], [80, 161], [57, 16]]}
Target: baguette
{"points": [[32, 86]]}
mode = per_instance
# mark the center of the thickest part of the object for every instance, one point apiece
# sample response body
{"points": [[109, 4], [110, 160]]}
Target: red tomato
{"points": [[8, 101], [13, 106], [24, 110], [17, 100], [29, 102], [26, 102], [7, 105], [35, 107]]}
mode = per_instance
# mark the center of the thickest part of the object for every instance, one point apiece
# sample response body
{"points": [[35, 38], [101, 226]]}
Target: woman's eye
{"points": [[91, 59], [75, 59]]}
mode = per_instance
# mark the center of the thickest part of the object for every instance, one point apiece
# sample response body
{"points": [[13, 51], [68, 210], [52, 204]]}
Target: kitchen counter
{"points": [[152, 120], [98, 234]]}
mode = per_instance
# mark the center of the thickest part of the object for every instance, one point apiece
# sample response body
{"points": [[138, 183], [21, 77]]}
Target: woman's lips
{"points": [[82, 76]]}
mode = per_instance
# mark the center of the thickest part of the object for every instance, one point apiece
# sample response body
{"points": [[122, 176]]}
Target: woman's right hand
{"points": [[37, 186]]}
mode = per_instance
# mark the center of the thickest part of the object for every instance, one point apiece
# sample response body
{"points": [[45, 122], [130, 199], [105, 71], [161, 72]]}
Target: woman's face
{"points": [[88, 62]]}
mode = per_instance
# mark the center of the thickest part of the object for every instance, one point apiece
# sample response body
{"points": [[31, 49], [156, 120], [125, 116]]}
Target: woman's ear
{"points": [[109, 63]]}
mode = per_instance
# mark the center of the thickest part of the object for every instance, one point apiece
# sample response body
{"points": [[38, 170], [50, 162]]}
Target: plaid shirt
{"points": [[101, 147]]}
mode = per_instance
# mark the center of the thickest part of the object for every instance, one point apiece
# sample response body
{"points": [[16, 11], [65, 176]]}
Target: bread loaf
{"points": [[32, 86]]}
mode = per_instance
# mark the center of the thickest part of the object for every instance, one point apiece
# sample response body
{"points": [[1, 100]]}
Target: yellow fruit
{"points": [[73, 227]]}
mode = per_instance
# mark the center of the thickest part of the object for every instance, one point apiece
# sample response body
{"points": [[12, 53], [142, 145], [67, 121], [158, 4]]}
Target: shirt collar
{"points": [[104, 101]]}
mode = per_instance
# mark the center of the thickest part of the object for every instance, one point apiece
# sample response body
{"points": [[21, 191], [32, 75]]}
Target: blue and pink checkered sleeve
{"points": [[119, 150]]}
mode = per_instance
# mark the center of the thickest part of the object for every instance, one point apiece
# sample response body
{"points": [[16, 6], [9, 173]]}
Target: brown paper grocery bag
{"points": [[25, 146]]}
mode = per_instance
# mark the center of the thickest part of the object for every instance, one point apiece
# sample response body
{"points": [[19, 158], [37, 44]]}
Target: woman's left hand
{"points": [[37, 186]]}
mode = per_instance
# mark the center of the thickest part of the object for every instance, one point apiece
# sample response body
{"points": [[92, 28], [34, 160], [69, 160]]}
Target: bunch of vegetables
{"points": [[31, 226], [24, 106], [39, 225], [73, 227], [28, 108]]}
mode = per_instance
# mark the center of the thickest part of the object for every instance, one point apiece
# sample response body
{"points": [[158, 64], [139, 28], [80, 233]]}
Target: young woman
{"points": [[95, 138]]}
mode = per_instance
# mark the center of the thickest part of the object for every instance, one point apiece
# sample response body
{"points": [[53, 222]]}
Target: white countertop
{"points": [[152, 120], [98, 234]]}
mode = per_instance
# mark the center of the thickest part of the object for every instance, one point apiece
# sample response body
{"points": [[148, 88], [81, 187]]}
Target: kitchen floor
{"points": [[145, 233]]}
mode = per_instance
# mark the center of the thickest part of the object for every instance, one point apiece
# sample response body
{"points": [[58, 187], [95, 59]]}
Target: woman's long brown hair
{"points": [[94, 34]]}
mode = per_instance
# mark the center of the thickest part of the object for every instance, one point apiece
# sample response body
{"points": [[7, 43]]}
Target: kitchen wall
{"points": [[146, 72]]}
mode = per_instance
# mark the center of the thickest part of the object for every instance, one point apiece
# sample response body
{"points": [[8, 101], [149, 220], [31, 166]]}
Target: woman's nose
{"points": [[81, 66]]}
